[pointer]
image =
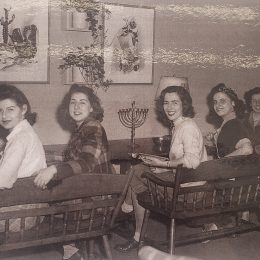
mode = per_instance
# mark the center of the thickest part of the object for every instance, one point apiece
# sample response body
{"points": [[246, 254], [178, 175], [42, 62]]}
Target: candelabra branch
{"points": [[132, 118]]}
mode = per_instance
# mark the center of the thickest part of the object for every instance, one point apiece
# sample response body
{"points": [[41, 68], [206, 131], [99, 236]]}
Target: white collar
{"points": [[18, 128], [179, 120]]}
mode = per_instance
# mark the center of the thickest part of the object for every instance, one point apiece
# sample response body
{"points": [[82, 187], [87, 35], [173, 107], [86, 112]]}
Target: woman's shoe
{"points": [[245, 216], [128, 246], [70, 251], [126, 208], [209, 227]]}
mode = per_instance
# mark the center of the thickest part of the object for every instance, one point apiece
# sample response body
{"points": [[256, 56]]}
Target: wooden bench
{"points": [[97, 200], [232, 186]]}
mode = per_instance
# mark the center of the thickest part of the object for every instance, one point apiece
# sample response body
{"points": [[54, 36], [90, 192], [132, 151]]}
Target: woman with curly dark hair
{"points": [[226, 111], [252, 120], [226, 108], [87, 150], [174, 108], [187, 108]]}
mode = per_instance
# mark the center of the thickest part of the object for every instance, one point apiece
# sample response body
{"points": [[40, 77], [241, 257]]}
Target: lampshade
{"points": [[166, 81]]}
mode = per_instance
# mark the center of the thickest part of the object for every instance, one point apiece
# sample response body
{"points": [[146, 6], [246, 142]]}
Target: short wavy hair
{"points": [[248, 97], [63, 115], [239, 107], [184, 95], [11, 92]]}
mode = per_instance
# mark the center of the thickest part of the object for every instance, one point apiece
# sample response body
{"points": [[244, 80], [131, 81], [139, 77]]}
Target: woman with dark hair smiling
{"points": [[187, 108], [226, 109], [21, 152], [175, 108], [87, 150]]}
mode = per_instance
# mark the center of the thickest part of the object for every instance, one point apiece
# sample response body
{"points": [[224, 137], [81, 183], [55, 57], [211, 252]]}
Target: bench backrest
{"points": [[80, 207], [225, 185], [224, 168], [25, 192]]}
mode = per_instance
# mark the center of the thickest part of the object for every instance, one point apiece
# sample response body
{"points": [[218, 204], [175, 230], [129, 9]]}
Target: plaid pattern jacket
{"points": [[87, 151]]}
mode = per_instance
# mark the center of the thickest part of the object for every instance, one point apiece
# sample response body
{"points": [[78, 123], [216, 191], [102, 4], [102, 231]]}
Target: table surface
{"points": [[119, 149]]}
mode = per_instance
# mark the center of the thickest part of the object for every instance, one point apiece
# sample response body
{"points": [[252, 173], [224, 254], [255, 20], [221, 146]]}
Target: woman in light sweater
{"points": [[23, 154], [175, 107]]}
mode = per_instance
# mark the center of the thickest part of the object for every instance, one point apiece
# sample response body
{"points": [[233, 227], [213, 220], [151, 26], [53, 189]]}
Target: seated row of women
{"points": [[87, 151], [22, 153], [187, 148]]}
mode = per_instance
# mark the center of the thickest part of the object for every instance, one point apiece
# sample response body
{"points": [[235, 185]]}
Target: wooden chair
{"points": [[232, 185], [98, 200]]}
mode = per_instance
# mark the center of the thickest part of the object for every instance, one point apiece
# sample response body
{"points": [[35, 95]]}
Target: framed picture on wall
{"points": [[23, 41], [128, 44]]}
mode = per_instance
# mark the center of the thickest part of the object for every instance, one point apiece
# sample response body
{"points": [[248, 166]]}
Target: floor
{"points": [[244, 246], [241, 247]]}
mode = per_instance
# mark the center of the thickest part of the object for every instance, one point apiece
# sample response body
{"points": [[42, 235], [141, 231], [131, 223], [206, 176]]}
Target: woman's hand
{"points": [[44, 176], [153, 161], [209, 139]]}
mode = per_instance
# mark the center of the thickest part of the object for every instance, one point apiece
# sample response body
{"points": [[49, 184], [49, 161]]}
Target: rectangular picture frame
{"points": [[24, 41], [128, 44]]}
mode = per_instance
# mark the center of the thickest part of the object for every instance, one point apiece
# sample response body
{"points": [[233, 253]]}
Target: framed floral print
{"points": [[128, 44]]}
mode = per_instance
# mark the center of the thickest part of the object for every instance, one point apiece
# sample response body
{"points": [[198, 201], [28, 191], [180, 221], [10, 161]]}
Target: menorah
{"points": [[132, 118]]}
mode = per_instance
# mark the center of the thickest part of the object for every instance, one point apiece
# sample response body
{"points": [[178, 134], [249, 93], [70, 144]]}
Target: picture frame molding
{"points": [[47, 78], [153, 40]]}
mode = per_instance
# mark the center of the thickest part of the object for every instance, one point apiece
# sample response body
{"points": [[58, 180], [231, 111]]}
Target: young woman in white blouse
{"points": [[23, 154], [175, 107]]}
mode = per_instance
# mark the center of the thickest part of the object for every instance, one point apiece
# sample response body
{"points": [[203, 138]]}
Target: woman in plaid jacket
{"points": [[87, 150]]}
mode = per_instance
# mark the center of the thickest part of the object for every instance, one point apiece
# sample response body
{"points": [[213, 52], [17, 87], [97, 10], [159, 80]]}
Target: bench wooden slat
{"points": [[57, 209]]}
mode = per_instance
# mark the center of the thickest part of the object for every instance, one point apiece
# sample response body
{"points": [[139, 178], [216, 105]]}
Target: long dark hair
{"points": [[184, 95], [248, 97], [239, 107], [15, 94], [63, 115]]}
